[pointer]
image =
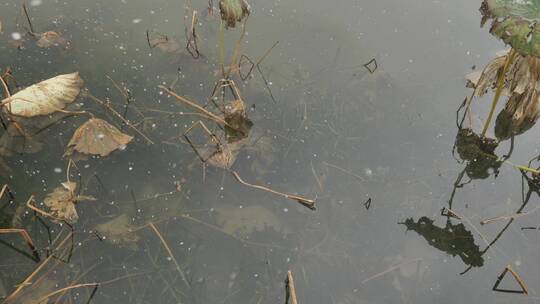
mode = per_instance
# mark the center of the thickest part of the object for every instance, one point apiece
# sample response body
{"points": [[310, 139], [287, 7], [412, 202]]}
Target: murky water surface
{"points": [[324, 128]]}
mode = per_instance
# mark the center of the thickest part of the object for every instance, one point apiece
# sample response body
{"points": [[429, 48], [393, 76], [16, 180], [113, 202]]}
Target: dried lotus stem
{"points": [[309, 203]]}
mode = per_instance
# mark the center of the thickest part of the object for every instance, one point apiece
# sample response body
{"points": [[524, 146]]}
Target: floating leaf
{"points": [[233, 11], [97, 137], [46, 97], [62, 200], [119, 231], [49, 39], [515, 22]]}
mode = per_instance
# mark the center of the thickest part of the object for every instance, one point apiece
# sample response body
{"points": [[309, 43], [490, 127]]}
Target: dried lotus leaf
{"points": [[233, 11], [49, 39], [45, 97], [97, 137], [61, 202]]}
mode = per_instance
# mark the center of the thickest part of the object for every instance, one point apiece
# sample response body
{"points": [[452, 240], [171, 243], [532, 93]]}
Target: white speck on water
{"points": [[130, 168], [57, 170], [16, 36], [36, 2], [368, 172], [285, 210], [135, 21]]}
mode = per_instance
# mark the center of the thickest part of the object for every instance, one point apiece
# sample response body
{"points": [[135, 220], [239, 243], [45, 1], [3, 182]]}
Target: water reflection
{"points": [[454, 239]]}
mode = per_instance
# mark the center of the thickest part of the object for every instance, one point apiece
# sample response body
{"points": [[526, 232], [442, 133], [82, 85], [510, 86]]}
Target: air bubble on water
{"points": [[135, 21], [57, 170]]}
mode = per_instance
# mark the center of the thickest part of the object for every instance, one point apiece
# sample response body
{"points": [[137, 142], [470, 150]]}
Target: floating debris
{"points": [[233, 11], [46, 97], [62, 201], [371, 65], [97, 137]]}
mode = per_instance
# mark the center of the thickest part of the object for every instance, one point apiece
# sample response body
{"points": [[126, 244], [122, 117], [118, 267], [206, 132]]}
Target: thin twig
{"points": [[291, 290], [518, 279], [207, 113], [345, 171], [508, 217], [164, 243], [389, 270], [42, 299], [516, 276], [24, 234], [28, 18], [36, 271], [309, 203], [106, 105]]}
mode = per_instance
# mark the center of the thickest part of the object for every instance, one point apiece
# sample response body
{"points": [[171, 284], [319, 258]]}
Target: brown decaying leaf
{"points": [[97, 137], [49, 39], [61, 202]]}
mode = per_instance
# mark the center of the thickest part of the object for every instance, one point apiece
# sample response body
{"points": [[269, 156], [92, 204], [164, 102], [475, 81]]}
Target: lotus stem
{"points": [[500, 85]]}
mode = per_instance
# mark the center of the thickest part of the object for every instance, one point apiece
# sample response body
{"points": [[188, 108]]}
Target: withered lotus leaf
{"points": [[45, 97], [97, 137], [233, 11]]}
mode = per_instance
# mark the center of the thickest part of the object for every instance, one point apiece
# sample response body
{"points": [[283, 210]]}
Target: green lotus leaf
{"points": [[515, 22]]}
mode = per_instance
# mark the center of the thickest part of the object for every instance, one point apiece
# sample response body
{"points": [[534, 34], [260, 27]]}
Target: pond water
{"points": [[324, 127]]}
